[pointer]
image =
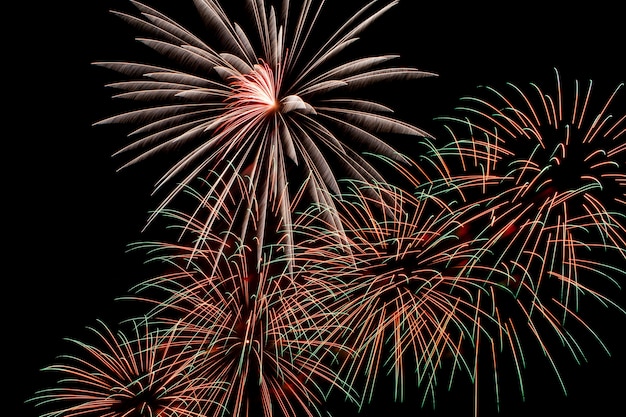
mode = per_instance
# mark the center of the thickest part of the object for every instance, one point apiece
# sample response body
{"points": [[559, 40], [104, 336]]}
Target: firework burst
{"points": [[410, 301], [118, 376], [263, 331], [549, 171], [557, 157], [258, 105]]}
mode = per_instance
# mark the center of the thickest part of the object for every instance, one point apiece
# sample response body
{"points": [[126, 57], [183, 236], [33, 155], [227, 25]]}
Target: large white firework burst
{"points": [[262, 104]]}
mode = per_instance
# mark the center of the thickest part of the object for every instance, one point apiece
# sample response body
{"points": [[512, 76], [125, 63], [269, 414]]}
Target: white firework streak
{"points": [[259, 108]]}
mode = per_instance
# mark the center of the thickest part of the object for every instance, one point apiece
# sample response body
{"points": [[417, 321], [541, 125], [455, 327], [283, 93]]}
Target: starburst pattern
{"points": [[264, 332], [117, 376], [410, 303], [549, 171], [258, 104]]}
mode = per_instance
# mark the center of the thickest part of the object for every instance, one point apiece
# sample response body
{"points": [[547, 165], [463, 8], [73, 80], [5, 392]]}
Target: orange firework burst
{"points": [[261, 329], [548, 171], [118, 376], [411, 303]]}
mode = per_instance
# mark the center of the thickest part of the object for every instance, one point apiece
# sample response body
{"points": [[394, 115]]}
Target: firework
{"points": [[410, 302], [118, 376], [258, 106], [547, 168], [263, 331]]}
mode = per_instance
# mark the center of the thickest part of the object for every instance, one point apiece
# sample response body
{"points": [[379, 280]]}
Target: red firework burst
{"points": [[410, 299], [547, 167], [118, 376], [262, 329]]}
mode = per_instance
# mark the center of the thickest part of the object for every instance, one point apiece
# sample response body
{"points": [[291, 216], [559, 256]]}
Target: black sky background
{"points": [[70, 215]]}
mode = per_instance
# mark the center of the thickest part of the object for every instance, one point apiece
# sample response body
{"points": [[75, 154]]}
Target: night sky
{"points": [[71, 215]]}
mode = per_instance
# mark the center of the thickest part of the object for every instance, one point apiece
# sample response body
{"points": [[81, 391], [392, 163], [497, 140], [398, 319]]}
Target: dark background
{"points": [[70, 215]]}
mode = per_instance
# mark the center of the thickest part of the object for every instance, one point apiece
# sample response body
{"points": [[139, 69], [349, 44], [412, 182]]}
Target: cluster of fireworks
{"points": [[313, 258]]}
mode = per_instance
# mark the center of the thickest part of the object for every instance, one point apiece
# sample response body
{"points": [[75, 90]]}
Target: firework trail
{"points": [[411, 303], [118, 376], [259, 105], [549, 171]]}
